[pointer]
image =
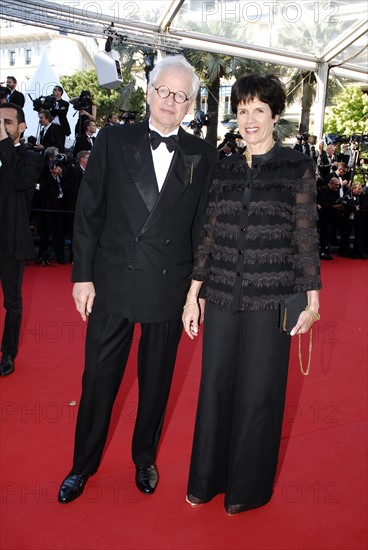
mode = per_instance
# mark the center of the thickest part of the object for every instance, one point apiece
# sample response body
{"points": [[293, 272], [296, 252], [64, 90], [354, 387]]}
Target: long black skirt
{"points": [[240, 408]]}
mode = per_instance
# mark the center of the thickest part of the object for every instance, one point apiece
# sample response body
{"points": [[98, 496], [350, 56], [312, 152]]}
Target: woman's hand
{"points": [[309, 316]]}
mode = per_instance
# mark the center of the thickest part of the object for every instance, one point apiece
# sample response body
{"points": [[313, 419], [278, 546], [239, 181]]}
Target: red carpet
{"points": [[320, 500]]}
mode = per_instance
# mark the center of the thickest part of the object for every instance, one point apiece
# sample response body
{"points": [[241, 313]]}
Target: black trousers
{"points": [[51, 224], [11, 276], [108, 343], [240, 407]]}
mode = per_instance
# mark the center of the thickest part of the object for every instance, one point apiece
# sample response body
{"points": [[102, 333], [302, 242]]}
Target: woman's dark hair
{"points": [[268, 89]]}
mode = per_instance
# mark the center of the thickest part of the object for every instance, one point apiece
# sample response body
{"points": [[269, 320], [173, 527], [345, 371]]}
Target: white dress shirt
{"points": [[162, 157]]}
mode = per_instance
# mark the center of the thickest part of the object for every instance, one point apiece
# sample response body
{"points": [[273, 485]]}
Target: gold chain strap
{"points": [[305, 372]]}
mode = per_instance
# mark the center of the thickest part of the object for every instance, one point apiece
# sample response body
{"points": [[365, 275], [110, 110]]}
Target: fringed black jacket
{"points": [[252, 256]]}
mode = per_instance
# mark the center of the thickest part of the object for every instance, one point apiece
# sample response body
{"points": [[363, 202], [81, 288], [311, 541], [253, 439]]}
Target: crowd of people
{"points": [[342, 203]]}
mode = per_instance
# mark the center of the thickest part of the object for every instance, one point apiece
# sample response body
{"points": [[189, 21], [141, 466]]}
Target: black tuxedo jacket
{"points": [[82, 143], [19, 173], [135, 243], [54, 137], [49, 191], [71, 185], [17, 98], [62, 112]]}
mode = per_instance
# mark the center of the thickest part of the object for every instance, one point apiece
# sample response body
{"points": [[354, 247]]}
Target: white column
{"points": [[320, 103]]}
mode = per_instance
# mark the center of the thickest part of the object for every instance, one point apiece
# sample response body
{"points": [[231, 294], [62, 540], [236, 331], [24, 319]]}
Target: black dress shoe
{"points": [[72, 487], [6, 365], [146, 478], [325, 256]]}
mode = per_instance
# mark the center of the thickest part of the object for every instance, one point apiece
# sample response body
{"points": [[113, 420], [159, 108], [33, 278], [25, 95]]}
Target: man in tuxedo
{"points": [[14, 96], [138, 222], [19, 170], [85, 141], [328, 209], [51, 221], [51, 134], [72, 182], [60, 111], [324, 162]]}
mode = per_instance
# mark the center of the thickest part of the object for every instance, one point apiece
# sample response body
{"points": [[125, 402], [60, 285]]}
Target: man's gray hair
{"points": [[175, 62]]}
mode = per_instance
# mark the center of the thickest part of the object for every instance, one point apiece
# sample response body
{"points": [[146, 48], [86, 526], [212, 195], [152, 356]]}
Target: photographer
{"points": [[302, 144], [328, 207], [341, 173], [360, 222], [60, 111], [228, 149], [51, 134], [51, 201], [345, 222], [128, 117], [71, 185], [201, 119], [86, 108]]}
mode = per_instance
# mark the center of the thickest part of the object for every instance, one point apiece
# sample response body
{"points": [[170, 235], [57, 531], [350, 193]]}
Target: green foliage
{"points": [[350, 113], [127, 96]]}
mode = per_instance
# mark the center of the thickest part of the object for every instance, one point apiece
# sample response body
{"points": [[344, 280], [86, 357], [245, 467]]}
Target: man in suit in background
{"points": [[60, 111], [19, 170], [324, 162], [138, 222], [85, 141], [14, 97], [51, 134], [72, 182]]}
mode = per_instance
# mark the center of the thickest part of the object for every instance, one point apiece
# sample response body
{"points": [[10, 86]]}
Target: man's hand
{"points": [[84, 295], [3, 134]]}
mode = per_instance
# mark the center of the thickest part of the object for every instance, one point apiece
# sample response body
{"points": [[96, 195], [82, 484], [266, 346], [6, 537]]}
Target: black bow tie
{"points": [[171, 142]]}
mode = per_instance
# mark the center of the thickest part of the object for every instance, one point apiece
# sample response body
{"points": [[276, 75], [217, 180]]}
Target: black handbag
{"points": [[290, 309]]}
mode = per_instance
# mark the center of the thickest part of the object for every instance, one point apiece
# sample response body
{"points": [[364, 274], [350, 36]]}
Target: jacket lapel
{"points": [[140, 165], [179, 176]]}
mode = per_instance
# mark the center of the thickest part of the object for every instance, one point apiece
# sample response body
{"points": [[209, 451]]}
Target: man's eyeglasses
{"points": [[179, 97]]}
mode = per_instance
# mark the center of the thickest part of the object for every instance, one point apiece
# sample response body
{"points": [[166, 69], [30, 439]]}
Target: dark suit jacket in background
{"points": [[135, 243], [54, 137], [18, 175], [71, 185], [17, 98], [62, 112], [82, 143]]}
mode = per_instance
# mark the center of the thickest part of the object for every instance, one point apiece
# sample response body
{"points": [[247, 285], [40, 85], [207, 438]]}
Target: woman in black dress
{"points": [[260, 245]]}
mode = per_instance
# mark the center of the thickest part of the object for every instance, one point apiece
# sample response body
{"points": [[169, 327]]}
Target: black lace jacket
{"points": [[252, 264]]}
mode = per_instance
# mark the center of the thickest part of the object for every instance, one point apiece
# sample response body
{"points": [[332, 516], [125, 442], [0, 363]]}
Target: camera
{"points": [[83, 102], [59, 160], [200, 119], [347, 202], [44, 103], [232, 137], [128, 117], [32, 141]]}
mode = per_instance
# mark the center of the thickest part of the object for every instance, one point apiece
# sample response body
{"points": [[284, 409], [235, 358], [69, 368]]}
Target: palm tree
{"points": [[211, 68], [302, 84]]}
